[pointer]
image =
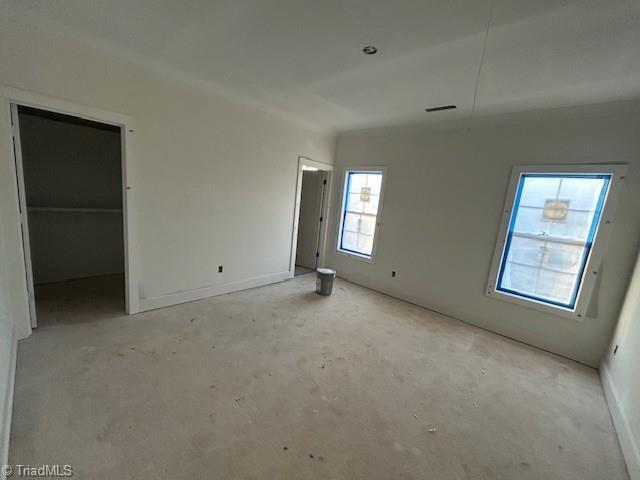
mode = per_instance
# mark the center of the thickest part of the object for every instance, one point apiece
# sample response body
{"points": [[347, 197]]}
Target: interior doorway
{"points": [[312, 205], [71, 197]]}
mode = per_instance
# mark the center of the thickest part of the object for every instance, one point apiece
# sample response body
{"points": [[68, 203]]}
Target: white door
{"points": [[309, 221], [22, 203]]}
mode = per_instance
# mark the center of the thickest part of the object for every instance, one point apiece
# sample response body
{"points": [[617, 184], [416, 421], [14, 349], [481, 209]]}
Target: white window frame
{"points": [[600, 240], [359, 169]]}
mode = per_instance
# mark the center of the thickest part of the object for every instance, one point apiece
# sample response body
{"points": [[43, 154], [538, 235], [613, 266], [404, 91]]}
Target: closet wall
{"points": [[73, 184]]}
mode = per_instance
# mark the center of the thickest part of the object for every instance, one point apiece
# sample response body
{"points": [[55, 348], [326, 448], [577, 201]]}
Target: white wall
{"points": [[72, 165], [72, 245], [621, 376], [7, 357], [444, 195], [213, 182], [309, 220]]}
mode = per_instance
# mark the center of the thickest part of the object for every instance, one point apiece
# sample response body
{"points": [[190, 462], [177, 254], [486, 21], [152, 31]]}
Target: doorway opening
{"points": [[311, 216], [71, 197]]}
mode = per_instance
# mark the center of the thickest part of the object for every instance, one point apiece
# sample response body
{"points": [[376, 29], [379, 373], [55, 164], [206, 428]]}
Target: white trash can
{"points": [[324, 281]]}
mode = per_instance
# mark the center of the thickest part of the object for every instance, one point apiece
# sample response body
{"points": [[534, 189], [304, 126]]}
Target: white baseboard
{"points": [[212, 291], [628, 443], [8, 403]]}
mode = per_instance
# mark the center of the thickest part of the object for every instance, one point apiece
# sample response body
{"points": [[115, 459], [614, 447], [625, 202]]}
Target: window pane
{"points": [[350, 241], [538, 191], [365, 243], [576, 225], [583, 192], [550, 235], [562, 257], [354, 204], [357, 223], [555, 286], [532, 220], [367, 180], [362, 198], [367, 225], [520, 278], [525, 251], [351, 222]]}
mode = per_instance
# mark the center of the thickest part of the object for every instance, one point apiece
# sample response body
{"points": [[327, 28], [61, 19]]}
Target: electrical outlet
{"points": [[220, 269], [393, 273]]}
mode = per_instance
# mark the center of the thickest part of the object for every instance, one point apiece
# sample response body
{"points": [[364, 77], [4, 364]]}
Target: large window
{"points": [[361, 204], [547, 248]]}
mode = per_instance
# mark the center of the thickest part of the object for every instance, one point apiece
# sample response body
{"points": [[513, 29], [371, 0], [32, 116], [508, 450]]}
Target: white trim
{"points": [[325, 167], [24, 214], [185, 296], [8, 401], [11, 95], [376, 234], [618, 172], [628, 443]]}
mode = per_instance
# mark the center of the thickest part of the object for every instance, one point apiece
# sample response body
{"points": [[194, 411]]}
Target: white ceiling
{"points": [[303, 58]]}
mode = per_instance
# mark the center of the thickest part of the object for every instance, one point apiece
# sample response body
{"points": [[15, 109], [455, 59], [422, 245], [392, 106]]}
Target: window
{"points": [[547, 255], [362, 199]]}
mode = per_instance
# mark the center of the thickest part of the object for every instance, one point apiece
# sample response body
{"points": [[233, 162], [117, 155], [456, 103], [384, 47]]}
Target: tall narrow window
{"points": [[360, 209], [555, 220]]}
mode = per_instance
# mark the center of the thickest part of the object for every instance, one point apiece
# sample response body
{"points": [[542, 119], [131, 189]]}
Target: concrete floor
{"points": [[279, 383], [300, 270]]}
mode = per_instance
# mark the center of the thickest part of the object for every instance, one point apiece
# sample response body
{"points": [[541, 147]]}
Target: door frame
{"points": [[324, 210], [22, 210], [12, 96]]}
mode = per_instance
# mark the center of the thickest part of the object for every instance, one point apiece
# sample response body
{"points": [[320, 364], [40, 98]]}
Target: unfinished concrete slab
{"points": [[278, 382]]}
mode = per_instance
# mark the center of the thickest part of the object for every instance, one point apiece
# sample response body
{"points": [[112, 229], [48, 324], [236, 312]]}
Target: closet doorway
{"points": [[71, 197]]}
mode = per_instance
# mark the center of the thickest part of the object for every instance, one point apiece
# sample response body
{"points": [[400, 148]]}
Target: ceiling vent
{"points": [[439, 109]]}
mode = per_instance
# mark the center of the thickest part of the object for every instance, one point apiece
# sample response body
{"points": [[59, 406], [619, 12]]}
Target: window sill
{"points": [[558, 311], [357, 256]]}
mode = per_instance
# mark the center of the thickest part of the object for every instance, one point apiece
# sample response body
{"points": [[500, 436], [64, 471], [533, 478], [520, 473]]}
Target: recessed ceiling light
{"points": [[438, 109], [369, 50]]}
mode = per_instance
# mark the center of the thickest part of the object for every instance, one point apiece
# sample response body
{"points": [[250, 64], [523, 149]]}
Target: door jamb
{"points": [[24, 214], [322, 242]]}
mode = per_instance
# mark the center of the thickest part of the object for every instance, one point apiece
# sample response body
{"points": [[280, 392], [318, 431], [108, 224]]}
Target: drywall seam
{"points": [[212, 291], [8, 402], [628, 443]]}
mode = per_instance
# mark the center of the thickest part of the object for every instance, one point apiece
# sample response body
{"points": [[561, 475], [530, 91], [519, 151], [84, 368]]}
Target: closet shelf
{"points": [[74, 210]]}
